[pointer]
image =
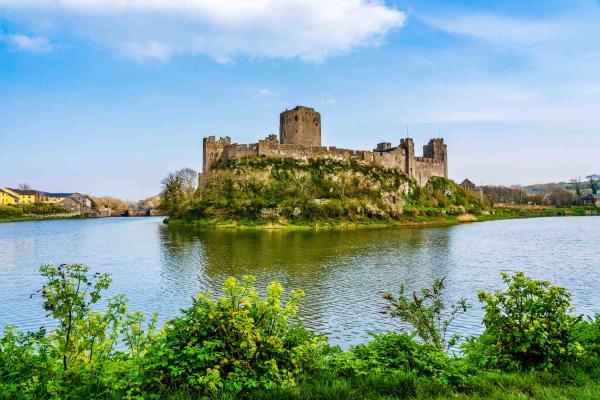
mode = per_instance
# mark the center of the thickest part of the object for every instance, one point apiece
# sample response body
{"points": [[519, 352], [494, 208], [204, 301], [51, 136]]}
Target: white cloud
{"points": [[142, 51], [262, 93], [494, 27], [34, 44], [307, 29]]}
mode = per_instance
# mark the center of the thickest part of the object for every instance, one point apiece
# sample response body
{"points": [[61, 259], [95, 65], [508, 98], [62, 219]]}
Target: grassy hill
{"points": [[259, 191]]}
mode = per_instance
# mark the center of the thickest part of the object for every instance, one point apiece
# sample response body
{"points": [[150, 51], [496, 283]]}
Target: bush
{"points": [[391, 353], [427, 313], [9, 211], [89, 354], [43, 209], [527, 326], [236, 342], [587, 332]]}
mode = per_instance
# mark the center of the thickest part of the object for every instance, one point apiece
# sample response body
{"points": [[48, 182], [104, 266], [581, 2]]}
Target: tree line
{"points": [[553, 194]]}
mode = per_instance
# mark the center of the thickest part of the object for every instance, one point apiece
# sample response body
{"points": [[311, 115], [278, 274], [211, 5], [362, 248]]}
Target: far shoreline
{"points": [[71, 217], [424, 221]]}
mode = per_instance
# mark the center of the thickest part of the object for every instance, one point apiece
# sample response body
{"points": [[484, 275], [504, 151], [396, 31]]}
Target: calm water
{"points": [[160, 267]]}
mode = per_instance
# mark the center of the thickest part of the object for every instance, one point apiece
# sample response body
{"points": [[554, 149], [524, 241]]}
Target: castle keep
{"points": [[300, 138]]}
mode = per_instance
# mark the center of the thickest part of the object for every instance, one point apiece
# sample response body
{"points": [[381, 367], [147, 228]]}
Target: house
{"points": [[591, 200], [54, 198], [25, 196], [77, 203], [104, 211], [8, 198], [467, 184]]}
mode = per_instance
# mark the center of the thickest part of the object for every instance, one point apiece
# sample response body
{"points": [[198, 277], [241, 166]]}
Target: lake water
{"points": [[160, 267]]}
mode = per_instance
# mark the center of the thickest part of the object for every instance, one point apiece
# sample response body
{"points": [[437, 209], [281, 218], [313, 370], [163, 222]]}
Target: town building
{"points": [[25, 196], [591, 200], [467, 184], [77, 203], [300, 138], [8, 198], [54, 198]]}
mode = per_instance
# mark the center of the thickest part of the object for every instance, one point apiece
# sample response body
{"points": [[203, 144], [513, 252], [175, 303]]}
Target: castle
{"points": [[300, 138]]}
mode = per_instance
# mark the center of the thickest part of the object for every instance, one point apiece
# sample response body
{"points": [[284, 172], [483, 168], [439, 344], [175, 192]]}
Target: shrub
{"points": [[88, 351], [391, 353], [43, 209], [9, 211], [426, 312], [527, 326], [236, 342], [456, 210], [587, 332]]}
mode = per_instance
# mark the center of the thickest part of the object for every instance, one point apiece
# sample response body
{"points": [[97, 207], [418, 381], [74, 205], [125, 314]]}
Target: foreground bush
{"points": [[392, 353], [236, 342], [88, 349], [233, 343], [528, 325]]}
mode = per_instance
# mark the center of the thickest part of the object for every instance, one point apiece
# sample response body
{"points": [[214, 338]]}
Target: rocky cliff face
{"points": [[285, 191]]}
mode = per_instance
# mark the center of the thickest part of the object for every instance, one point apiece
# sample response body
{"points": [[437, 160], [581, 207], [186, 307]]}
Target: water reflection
{"points": [[343, 272]]}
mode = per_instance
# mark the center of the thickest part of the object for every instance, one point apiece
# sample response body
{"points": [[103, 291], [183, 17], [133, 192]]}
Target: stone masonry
{"points": [[300, 138]]}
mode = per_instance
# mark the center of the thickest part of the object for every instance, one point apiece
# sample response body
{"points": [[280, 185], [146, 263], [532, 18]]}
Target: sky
{"points": [[106, 97]]}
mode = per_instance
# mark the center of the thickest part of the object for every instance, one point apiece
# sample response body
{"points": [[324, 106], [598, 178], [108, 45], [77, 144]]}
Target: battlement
{"points": [[300, 138]]}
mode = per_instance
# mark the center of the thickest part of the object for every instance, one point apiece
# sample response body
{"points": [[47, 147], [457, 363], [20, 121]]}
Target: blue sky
{"points": [[108, 96]]}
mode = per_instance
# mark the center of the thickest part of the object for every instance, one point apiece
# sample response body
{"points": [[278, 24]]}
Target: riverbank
{"points": [[413, 217], [41, 218], [569, 382]]}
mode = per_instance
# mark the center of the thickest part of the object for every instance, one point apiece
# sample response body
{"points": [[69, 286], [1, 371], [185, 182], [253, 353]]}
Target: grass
{"points": [[567, 383], [39, 218]]}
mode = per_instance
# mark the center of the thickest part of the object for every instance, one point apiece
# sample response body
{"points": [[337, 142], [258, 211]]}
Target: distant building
{"points": [[104, 211], [591, 200], [8, 198], [54, 198], [77, 203], [467, 184], [25, 196]]}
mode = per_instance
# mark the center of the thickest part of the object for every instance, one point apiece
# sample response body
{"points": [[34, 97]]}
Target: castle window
{"points": [[296, 117]]}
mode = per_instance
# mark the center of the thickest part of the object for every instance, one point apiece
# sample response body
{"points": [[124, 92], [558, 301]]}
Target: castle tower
{"points": [[212, 150], [409, 150], [302, 125], [438, 150]]}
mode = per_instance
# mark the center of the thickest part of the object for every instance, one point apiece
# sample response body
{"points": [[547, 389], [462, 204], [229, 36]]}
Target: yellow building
{"points": [[25, 196], [9, 196], [8, 199]]}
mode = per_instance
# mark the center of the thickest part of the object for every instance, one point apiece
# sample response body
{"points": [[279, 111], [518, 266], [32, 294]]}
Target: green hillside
{"points": [[282, 191]]}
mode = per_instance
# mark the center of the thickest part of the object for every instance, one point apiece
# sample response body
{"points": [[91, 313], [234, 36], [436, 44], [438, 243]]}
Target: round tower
{"points": [[302, 126]]}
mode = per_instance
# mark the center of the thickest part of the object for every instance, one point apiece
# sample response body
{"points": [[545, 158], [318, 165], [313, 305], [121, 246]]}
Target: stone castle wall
{"points": [[298, 142]]}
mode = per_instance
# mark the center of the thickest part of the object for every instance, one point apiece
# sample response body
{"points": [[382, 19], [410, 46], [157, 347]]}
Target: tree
{"points": [[24, 186], [576, 184], [594, 182], [189, 180], [560, 197], [178, 191]]}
